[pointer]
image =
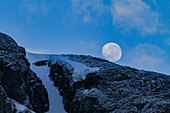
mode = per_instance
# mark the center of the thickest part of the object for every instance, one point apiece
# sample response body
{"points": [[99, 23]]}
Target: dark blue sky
{"points": [[140, 27]]}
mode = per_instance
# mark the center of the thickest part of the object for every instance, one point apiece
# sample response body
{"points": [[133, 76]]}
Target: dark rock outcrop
{"points": [[112, 89], [41, 63], [17, 81]]}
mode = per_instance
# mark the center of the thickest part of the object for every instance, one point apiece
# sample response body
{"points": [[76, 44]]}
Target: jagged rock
{"points": [[17, 80], [111, 89]]}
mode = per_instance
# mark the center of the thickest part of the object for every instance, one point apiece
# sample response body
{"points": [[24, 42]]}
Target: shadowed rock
{"points": [[41, 63], [17, 80]]}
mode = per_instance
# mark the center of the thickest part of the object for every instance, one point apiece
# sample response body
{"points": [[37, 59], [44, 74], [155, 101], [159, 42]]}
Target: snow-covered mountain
{"points": [[93, 85], [76, 84]]}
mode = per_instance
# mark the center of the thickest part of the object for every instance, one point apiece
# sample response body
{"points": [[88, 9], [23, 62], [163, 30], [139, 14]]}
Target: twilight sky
{"points": [[140, 27]]}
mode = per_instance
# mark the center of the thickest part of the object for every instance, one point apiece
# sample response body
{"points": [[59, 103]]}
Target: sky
{"points": [[140, 27]]}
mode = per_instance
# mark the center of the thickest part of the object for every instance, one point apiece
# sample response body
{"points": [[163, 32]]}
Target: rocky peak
{"points": [[8, 45], [18, 81]]}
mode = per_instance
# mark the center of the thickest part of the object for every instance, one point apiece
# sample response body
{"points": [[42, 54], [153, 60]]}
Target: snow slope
{"points": [[56, 104]]}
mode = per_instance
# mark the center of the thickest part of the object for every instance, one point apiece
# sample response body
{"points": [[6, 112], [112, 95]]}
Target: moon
{"points": [[112, 52]]}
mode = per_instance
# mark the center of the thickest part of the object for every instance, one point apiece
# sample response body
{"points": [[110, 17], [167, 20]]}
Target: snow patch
{"points": [[81, 75], [20, 108], [80, 70]]}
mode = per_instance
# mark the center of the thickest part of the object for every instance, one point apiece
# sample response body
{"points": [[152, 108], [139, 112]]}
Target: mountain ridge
{"points": [[87, 84], [112, 88]]}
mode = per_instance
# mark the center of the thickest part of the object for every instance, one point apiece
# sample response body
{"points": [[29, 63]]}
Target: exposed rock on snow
{"points": [[41, 63], [18, 81]]}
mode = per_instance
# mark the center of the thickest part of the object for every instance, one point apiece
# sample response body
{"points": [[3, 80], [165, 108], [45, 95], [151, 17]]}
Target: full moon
{"points": [[112, 52]]}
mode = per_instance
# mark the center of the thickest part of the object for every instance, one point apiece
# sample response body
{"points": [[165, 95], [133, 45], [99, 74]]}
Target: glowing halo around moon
{"points": [[112, 52]]}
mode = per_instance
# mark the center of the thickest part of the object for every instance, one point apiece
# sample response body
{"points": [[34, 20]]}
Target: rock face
{"points": [[111, 89], [17, 81]]}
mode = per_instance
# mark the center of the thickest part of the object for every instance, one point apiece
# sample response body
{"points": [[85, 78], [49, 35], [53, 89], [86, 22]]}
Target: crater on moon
{"points": [[112, 52]]}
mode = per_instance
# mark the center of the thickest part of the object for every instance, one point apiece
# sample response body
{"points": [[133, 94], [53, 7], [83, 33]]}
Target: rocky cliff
{"points": [[20, 89], [111, 89]]}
